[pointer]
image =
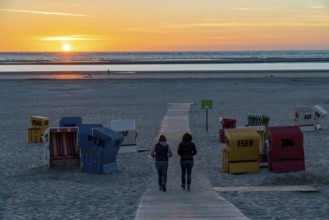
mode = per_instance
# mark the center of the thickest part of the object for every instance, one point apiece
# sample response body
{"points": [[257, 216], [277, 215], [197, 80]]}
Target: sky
{"points": [[163, 25]]}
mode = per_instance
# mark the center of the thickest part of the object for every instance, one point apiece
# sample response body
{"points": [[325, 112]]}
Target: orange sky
{"points": [[172, 25]]}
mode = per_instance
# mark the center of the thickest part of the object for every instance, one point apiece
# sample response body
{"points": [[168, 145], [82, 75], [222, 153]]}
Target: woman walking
{"points": [[186, 150], [161, 152]]}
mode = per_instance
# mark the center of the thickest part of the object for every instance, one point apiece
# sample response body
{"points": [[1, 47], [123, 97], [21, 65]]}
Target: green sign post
{"points": [[206, 104]]}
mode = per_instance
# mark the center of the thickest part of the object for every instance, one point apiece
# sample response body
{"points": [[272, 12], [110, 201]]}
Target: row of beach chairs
{"points": [[281, 148], [90, 146]]}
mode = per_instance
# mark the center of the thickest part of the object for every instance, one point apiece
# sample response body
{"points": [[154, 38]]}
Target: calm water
{"points": [[167, 61], [114, 56]]}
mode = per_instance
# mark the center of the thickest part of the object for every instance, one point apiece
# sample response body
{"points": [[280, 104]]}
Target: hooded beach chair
{"points": [[101, 158], [226, 123], [61, 144]]}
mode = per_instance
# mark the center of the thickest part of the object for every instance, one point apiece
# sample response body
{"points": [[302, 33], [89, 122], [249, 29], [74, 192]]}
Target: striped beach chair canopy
{"points": [[63, 142]]}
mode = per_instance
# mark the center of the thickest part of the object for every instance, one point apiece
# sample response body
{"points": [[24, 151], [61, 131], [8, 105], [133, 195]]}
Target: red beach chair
{"points": [[226, 123], [286, 150], [62, 146]]}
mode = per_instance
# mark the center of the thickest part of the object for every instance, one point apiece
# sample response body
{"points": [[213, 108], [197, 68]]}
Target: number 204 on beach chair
{"points": [[61, 146]]}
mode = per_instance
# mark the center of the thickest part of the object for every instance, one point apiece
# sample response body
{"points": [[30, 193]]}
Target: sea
{"points": [[164, 61]]}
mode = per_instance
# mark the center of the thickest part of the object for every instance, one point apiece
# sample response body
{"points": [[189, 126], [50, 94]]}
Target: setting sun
{"points": [[66, 47]]}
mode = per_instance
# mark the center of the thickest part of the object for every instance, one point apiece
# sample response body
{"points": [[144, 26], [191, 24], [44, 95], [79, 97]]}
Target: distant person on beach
{"points": [[186, 150], [161, 153], [108, 72]]}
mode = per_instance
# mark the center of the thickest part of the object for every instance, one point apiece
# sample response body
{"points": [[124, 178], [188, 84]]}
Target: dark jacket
{"points": [[161, 151], [186, 150]]}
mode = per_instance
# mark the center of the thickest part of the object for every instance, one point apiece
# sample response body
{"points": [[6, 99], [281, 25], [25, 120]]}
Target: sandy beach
{"points": [[30, 190]]}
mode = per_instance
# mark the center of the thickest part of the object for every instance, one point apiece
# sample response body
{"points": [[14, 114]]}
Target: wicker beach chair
{"points": [[261, 124], [226, 124], [62, 146]]}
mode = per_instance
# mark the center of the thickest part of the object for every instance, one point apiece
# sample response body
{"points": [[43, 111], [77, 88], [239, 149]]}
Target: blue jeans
{"points": [[162, 168], [186, 166]]}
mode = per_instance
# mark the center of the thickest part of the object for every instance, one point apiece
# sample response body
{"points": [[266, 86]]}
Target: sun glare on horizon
{"points": [[66, 47]]}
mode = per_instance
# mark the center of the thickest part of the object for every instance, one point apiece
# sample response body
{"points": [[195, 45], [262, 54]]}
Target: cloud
{"points": [[291, 21], [134, 29], [251, 9], [310, 21], [318, 7], [150, 30], [207, 24], [43, 12], [72, 38]]}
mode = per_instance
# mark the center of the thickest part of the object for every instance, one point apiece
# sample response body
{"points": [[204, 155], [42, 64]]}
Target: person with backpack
{"points": [[161, 153], [186, 150]]}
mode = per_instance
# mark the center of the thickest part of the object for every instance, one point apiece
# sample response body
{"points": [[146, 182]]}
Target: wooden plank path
{"points": [[291, 188], [202, 202]]}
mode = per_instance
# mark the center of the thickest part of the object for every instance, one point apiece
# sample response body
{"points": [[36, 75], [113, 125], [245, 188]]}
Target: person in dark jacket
{"points": [[186, 150], [161, 152]]}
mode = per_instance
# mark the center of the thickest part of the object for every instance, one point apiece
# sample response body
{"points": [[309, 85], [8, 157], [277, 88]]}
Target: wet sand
{"points": [[219, 74]]}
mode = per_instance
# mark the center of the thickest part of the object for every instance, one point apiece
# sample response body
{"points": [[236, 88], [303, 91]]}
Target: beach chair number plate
{"points": [[245, 143], [287, 142]]}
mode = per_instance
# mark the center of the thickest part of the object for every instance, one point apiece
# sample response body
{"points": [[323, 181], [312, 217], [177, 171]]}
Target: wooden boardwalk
{"points": [[289, 188], [202, 202]]}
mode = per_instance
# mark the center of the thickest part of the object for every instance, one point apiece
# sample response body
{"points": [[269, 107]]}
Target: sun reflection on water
{"points": [[70, 76]]}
